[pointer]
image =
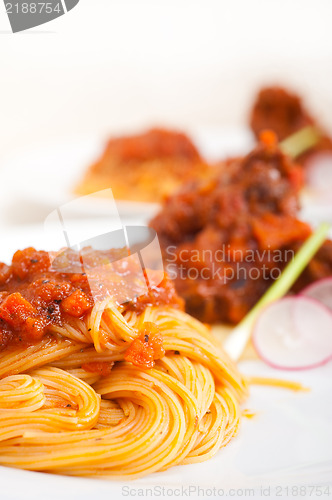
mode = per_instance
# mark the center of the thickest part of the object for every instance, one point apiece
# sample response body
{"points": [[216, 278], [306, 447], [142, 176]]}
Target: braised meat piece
{"points": [[225, 240], [282, 111]]}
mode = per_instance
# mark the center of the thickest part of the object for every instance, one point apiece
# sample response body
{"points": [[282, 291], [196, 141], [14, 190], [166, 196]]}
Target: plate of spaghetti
{"points": [[98, 383], [114, 378]]}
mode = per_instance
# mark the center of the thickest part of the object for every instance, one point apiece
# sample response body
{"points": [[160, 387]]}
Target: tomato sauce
{"points": [[153, 144], [283, 112], [98, 367], [147, 348], [39, 290]]}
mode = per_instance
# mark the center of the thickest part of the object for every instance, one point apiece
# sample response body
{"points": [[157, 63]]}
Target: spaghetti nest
{"points": [[63, 410]]}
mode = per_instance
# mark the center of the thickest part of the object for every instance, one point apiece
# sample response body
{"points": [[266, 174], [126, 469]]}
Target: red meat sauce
{"points": [[248, 209], [284, 112], [36, 295], [153, 144], [146, 348], [102, 368]]}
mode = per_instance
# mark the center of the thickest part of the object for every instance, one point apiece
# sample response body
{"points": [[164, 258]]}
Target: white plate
{"points": [[47, 175], [288, 443]]}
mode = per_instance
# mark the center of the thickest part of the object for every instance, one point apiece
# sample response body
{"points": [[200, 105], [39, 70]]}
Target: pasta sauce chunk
{"points": [[36, 294]]}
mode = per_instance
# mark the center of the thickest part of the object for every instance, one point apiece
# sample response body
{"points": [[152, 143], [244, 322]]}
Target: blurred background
{"points": [[111, 65]]}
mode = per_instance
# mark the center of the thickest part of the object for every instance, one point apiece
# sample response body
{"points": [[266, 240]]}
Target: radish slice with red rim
{"points": [[321, 291], [319, 175], [294, 333]]}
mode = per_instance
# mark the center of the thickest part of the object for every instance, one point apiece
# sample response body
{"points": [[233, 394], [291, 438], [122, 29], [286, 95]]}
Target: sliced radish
{"points": [[319, 174], [321, 291], [294, 334]]}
